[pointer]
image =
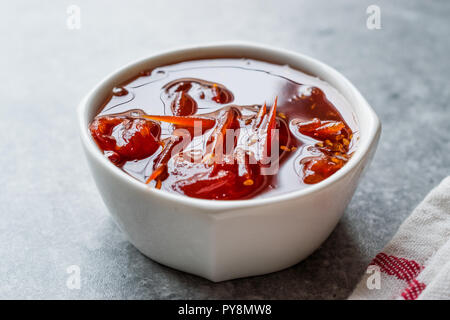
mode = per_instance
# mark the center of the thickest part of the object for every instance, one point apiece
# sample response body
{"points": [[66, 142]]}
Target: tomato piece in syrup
{"points": [[125, 138], [333, 147]]}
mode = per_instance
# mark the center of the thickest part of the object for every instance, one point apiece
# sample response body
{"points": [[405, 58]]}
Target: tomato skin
{"points": [[219, 181], [316, 169], [333, 148], [321, 130], [125, 138], [183, 104]]}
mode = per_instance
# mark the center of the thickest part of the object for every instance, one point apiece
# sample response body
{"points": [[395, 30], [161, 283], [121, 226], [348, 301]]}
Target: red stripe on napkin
{"points": [[402, 268], [413, 290]]}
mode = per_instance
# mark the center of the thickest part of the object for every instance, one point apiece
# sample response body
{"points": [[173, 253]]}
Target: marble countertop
{"points": [[51, 215]]}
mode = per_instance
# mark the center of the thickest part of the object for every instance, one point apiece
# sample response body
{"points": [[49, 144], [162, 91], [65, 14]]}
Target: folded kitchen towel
{"points": [[416, 263]]}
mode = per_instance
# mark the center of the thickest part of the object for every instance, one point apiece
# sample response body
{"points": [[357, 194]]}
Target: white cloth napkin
{"points": [[416, 263]]}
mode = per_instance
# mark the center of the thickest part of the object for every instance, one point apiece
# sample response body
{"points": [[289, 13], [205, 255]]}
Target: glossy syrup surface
{"points": [[316, 130]]}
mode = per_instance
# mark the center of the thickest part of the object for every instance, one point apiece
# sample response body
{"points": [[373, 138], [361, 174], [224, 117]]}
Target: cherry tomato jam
{"points": [[226, 129]]}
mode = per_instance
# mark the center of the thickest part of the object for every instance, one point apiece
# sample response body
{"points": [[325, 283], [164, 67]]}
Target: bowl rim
{"points": [[220, 205]]}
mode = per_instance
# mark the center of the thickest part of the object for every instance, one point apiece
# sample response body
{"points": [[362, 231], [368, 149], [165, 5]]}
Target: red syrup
{"points": [[226, 129]]}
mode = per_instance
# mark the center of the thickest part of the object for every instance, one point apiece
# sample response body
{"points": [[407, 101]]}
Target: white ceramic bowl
{"points": [[221, 240]]}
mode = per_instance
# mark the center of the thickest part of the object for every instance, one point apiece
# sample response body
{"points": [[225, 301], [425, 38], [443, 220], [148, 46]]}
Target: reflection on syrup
{"points": [[153, 136]]}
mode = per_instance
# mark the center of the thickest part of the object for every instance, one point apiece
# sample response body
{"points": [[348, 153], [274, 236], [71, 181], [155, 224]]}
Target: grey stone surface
{"points": [[51, 215]]}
